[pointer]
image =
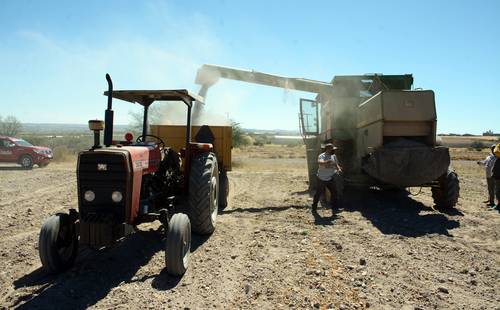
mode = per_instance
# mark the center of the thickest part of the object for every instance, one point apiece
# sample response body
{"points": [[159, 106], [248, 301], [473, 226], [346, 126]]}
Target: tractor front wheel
{"points": [[203, 193], [178, 245], [446, 195], [58, 243]]}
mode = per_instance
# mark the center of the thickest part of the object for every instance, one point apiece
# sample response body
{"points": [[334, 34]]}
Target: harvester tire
{"points": [[223, 190], [446, 195], [178, 244], [58, 243], [26, 161], [203, 193]]}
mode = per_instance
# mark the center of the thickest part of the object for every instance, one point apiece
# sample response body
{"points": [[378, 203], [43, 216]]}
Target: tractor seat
{"points": [[205, 135]]}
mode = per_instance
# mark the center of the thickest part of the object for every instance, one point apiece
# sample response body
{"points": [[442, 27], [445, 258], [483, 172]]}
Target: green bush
{"points": [[261, 140], [239, 137], [477, 145], [247, 140]]}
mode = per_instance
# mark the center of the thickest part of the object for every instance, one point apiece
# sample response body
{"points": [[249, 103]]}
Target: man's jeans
{"points": [[336, 188], [497, 190], [491, 190]]}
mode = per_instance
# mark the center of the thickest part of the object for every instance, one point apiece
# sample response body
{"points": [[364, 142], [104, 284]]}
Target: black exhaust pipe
{"points": [[108, 116]]}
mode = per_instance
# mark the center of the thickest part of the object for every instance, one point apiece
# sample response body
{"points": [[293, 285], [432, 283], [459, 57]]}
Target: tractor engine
{"points": [[160, 188], [119, 184]]}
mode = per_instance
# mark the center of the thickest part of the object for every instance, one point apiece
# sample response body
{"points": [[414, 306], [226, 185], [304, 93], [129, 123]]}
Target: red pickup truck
{"points": [[19, 151]]}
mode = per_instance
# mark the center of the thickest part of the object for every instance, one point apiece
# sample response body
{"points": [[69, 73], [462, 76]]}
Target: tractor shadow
{"points": [[96, 273], [396, 213]]}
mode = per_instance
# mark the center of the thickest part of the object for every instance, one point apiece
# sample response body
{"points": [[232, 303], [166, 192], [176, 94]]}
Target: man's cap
{"points": [[330, 145]]}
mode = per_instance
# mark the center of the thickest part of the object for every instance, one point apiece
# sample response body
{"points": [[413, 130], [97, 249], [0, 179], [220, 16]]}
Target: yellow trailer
{"points": [[175, 137]]}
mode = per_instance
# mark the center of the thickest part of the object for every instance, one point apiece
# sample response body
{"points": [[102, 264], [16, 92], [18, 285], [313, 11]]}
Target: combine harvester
{"points": [[385, 131]]}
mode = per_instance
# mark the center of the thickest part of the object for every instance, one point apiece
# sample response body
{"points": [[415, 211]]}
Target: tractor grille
{"points": [[102, 173]]}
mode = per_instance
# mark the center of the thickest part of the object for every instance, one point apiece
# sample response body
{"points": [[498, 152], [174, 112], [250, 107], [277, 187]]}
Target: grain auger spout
{"points": [[208, 75]]}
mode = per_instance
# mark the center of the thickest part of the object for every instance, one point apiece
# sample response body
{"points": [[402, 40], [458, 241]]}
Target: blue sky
{"points": [[54, 55]]}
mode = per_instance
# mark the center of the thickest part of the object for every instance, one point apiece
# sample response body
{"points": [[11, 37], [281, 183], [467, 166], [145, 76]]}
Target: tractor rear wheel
{"points": [[203, 193], [58, 243], [446, 195], [223, 189], [178, 245]]}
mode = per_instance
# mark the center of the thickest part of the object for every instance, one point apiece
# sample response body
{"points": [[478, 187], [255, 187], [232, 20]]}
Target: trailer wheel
{"points": [[203, 193], [223, 189], [446, 195], [178, 245], [58, 243], [26, 161]]}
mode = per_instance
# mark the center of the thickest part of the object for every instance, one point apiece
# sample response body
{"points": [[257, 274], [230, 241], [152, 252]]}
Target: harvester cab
{"points": [[122, 184]]}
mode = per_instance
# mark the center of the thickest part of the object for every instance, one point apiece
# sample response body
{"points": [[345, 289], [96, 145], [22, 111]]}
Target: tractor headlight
{"points": [[116, 196], [89, 196]]}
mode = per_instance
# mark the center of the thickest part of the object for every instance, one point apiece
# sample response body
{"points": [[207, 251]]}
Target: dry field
{"points": [[269, 251], [466, 141]]}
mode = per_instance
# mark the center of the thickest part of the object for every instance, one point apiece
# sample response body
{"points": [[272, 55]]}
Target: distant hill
{"points": [[62, 129], [276, 132], [65, 129]]}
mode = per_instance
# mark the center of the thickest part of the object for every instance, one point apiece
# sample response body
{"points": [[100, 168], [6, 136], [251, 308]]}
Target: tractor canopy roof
{"points": [[147, 97]]}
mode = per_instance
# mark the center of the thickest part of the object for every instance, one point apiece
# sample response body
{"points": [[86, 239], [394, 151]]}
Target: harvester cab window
{"points": [[309, 117]]}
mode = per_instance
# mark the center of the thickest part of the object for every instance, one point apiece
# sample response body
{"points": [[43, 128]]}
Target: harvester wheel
{"points": [[223, 189], [26, 161], [178, 245], [203, 193], [446, 195], [58, 243]]}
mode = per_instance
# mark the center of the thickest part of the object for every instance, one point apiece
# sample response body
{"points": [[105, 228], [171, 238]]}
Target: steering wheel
{"points": [[160, 141]]}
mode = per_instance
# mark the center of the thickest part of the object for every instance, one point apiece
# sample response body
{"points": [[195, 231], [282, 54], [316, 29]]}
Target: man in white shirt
{"points": [[488, 164], [328, 175]]}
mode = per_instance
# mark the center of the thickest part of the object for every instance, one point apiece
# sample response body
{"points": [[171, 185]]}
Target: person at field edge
{"points": [[495, 174], [329, 176], [488, 164]]}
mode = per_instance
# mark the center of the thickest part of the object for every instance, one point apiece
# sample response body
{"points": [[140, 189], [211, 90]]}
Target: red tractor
{"points": [[122, 184]]}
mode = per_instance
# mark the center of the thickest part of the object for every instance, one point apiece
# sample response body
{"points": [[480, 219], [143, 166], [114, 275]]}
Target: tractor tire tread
{"points": [[446, 195], [47, 244], [202, 168], [223, 190], [179, 229]]}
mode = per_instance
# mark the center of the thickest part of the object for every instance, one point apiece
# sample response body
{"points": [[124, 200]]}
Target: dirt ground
{"points": [[269, 251]]}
